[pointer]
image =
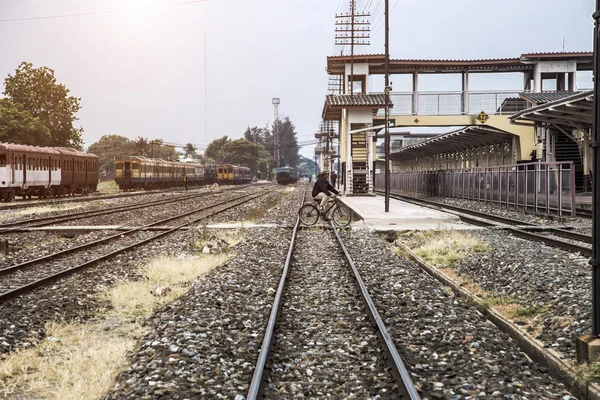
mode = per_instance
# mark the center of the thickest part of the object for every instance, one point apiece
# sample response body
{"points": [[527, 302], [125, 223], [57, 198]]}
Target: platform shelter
{"points": [[564, 129]]}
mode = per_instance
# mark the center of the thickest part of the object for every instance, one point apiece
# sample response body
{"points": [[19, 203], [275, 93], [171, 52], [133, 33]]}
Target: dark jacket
{"points": [[322, 185]]}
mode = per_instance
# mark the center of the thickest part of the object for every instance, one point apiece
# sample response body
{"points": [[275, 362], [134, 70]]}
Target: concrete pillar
{"points": [[537, 79], [587, 158], [560, 82], [572, 76], [415, 105], [527, 80], [465, 93]]}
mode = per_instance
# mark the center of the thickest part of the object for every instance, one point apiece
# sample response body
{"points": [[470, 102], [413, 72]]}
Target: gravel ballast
{"points": [[451, 350]]}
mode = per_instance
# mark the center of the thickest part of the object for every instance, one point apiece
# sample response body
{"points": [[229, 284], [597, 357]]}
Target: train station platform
{"points": [[402, 216]]}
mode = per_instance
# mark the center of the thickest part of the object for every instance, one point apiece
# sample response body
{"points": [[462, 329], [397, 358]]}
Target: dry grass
{"points": [[446, 248], [75, 362], [108, 187], [80, 361], [232, 237], [589, 372], [40, 210], [467, 283], [136, 298], [256, 214]]}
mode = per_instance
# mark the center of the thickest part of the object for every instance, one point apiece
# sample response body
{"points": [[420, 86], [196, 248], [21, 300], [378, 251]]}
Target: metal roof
{"points": [[524, 63], [462, 139], [545, 97], [575, 111], [334, 103]]}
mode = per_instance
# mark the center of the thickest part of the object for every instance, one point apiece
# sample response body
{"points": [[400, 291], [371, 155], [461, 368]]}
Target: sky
{"points": [[139, 65]]}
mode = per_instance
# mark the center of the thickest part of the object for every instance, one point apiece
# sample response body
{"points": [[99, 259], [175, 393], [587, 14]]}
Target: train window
{"points": [[119, 165], [135, 166], [2, 160]]}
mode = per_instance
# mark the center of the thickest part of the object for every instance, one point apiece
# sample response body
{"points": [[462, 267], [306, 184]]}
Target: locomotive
{"points": [[138, 172], [229, 174], [285, 175], [45, 171]]}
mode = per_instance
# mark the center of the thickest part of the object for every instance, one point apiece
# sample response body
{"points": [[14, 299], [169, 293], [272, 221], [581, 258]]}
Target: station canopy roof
{"points": [[335, 103], [524, 63], [462, 139], [575, 111]]}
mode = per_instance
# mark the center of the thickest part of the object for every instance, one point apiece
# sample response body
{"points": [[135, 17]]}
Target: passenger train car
{"points": [[228, 174], [285, 175], [45, 171], [138, 172]]}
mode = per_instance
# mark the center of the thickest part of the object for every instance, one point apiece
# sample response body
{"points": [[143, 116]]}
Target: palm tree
{"points": [[190, 150], [141, 146]]}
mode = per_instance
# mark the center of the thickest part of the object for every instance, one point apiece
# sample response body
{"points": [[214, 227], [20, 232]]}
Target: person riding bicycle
{"points": [[322, 189]]}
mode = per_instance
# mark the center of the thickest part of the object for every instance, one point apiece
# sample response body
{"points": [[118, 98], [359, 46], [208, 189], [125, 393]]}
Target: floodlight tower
{"points": [[276, 103]]}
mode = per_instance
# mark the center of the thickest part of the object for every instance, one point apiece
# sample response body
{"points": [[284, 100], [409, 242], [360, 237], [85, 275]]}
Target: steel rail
{"points": [[482, 219], [258, 378], [51, 278], [23, 203], [34, 222], [49, 257], [397, 367], [399, 371], [92, 213]]}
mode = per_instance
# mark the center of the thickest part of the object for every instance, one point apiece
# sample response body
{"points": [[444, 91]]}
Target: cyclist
{"points": [[322, 189]]}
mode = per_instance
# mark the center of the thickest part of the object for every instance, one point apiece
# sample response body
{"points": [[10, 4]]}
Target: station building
{"points": [[490, 127]]}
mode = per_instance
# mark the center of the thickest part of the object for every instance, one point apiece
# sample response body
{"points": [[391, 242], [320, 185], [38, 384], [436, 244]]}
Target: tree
{"points": [[19, 126], [242, 152], [160, 150], [190, 150], [288, 144], [215, 148], [110, 148], [37, 91], [141, 147]]}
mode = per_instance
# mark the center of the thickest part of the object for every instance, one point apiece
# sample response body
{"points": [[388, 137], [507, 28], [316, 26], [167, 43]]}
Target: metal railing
{"points": [[451, 103], [538, 187]]}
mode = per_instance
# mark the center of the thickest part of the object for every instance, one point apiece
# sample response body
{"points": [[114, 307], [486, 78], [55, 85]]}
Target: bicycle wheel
{"points": [[309, 214], [342, 216]]}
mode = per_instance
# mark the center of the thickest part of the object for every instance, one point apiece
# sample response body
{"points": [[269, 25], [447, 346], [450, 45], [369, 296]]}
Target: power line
{"points": [[102, 12]]}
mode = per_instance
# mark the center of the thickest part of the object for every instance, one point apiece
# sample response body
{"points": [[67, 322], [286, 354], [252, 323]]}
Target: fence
{"points": [[451, 103], [539, 187]]}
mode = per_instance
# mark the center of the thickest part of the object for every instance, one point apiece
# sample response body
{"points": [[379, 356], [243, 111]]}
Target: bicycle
{"points": [[309, 213]]}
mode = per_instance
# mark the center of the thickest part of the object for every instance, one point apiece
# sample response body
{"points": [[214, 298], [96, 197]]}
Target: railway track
{"points": [[324, 337], [10, 227], [577, 242], [23, 277], [25, 203]]}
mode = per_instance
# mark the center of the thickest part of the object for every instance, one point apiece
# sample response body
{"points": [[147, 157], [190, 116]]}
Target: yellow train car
{"points": [[229, 174]]}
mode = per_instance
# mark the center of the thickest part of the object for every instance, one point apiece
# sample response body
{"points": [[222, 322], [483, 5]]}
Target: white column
{"points": [[465, 93], [415, 105], [537, 79]]}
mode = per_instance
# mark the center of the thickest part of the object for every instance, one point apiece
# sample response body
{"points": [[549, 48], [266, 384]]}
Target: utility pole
{"points": [[387, 105], [588, 346], [595, 261], [205, 95], [276, 103], [354, 31]]}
